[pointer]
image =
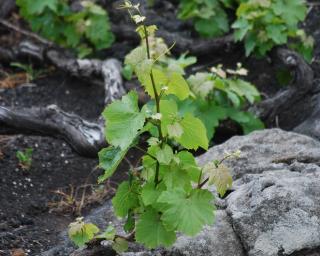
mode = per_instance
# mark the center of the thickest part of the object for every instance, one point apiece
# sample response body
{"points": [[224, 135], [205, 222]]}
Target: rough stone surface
{"points": [[277, 212], [215, 240], [265, 150], [272, 210]]}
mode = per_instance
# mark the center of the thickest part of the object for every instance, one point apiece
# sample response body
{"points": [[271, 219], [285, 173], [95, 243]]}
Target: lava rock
{"points": [[273, 208]]}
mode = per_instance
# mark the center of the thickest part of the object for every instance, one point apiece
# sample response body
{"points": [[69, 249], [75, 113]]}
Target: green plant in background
{"points": [[303, 44], [209, 16], [25, 158], [85, 30], [215, 96], [260, 24], [31, 73], [219, 95], [166, 194], [264, 24]]}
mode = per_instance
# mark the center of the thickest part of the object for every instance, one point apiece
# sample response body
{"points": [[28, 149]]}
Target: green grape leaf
{"points": [[143, 71], [187, 10], [277, 33], [127, 72], [120, 245], [136, 57], [150, 31], [235, 99], [108, 234], [292, 11], [159, 77], [173, 83], [174, 130], [126, 198], [201, 84], [175, 177], [151, 232], [213, 27], [109, 159], [37, 6], [169, 112], [150, 193], [178, 86], [164, 155], [99, 31], [243, 88], [241, 27], [149, 163], [184, 61], [188, 163], [123, 121], [187, 213], [252, 123], [211, 115], [247, 120], [194, 133], [250, 43], [72, 36], [81, 233], [219, 176]]}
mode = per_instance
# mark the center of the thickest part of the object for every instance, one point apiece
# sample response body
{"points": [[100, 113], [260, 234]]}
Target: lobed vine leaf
{"points": [[126, 198], [194, 133], [164, 155], [182, 208], [109, 159], [151, 232], [81, 233], [123, 121], [219, 175]]}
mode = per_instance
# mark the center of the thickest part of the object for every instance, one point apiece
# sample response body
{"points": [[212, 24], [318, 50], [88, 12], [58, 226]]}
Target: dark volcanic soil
{"points": [[26, 220]]}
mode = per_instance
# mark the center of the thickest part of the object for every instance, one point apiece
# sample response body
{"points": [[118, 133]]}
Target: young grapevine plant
{"points": [[260, 24], [265, 24], [220, 95], [166, 194], [215, 96], [85, 30], [209, 16]]}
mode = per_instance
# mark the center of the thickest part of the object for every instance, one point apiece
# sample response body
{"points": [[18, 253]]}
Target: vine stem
{"points": [[129, 237], [203, 183], [157, 99], [145, 152]]}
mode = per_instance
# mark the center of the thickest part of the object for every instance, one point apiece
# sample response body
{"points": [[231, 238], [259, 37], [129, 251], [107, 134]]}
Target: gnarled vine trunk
{"points": [[87, 138]]}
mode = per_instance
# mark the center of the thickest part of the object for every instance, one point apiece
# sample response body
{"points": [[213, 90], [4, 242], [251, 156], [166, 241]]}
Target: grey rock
{"points": [[217, 240], [273, 209], [277, 213], [275, 205], [265, 150]]}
